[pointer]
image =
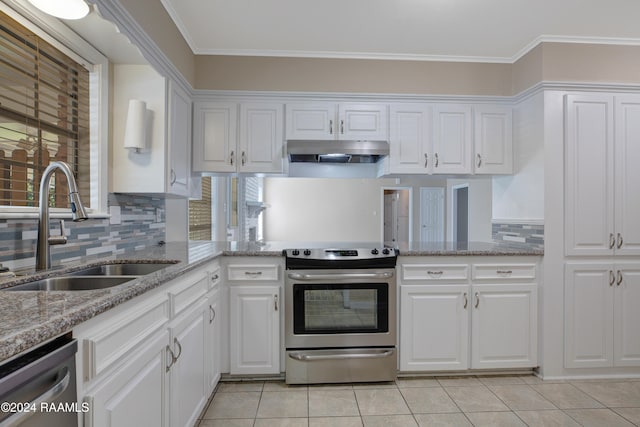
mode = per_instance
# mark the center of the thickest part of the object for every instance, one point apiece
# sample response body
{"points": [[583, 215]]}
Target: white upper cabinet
{"points": [[167, 146], [493, 139], [410, 139], [347, 121], [452, 139], [261, 138], [602, 200], [231, 137]]}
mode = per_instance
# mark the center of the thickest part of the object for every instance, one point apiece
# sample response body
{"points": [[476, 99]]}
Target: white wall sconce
{"points": [[63, 9], [135, 135]]}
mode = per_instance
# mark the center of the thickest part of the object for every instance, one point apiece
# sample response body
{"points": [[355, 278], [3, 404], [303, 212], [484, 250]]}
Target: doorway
{"points": [[431, 214], [397, 215], [460, 210]]}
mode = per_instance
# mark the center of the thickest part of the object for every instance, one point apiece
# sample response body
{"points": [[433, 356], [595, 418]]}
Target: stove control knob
{"points": [[307, 252], [295, 252], [385, 251], [374, 251]]}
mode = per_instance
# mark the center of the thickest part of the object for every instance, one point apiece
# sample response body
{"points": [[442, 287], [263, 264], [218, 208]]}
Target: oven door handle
{"points": [[338, 276], [305, 357]]}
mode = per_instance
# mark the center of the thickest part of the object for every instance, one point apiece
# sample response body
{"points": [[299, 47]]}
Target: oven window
{"points": [[340, 308]]}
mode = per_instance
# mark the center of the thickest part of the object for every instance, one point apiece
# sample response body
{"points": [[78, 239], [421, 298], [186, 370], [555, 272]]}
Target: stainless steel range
{"points": [[340, 315]]}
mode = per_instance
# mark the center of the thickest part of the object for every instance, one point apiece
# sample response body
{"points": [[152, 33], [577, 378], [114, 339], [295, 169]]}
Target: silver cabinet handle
{"points": [[253, 273], [330, 127], [48, 396], [619, 281], [243, 158], [612, 241], [173, 176], [466, 301], [176, 342], [620, 241], [232, 157], [342, 127], [213, 314], [435, 273], [173, 359], [437, 160], [275, 302], [426, 159], [215, 277], [504, 272], [479, 160], [477, 300], [612, 277]]}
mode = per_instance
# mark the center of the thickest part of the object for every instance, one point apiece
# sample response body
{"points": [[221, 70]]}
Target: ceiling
{"points": [[454, 30]]}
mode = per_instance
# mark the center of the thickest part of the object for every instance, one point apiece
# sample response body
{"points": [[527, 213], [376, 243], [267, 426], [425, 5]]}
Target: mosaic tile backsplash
{"points": [[532, 234], [142, 225]]}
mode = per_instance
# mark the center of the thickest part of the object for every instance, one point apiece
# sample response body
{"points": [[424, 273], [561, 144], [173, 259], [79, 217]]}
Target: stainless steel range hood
{"points": [[313, 151]]}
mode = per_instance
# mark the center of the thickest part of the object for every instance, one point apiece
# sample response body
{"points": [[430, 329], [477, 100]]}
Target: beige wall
{"points": [[156, 22]]}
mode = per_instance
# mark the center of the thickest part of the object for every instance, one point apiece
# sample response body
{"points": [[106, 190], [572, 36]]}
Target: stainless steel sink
{"points": [[130, 269], [72, 283]]}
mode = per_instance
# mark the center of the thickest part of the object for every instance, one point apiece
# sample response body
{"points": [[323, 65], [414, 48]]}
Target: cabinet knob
{"points": [[173, 176], [612, 241], [231, 158], [466, 301], [612, 278], [243, 158], [426, 159], [477, 300], [330, 127], [479, 160], [437, 160], [619, 281], [342, 127], [620, 241]]}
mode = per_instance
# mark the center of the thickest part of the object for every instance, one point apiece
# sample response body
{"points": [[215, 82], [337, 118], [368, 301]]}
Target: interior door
{"points": [[432, 214]]}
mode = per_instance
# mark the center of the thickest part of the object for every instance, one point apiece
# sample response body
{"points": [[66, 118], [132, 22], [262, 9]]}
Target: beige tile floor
{"points": [[454, 401]]}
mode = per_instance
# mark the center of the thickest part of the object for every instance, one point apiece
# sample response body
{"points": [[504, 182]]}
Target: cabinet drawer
{"points": [[182, 298], [503, 271], [435, 272], [117, 341], [265, 272]]}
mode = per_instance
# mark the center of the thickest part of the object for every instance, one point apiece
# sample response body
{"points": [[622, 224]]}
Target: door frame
{"points": [[396, 188], [454, 210]]}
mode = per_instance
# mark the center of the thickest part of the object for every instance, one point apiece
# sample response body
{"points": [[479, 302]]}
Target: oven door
{"points": [[340, 309]]}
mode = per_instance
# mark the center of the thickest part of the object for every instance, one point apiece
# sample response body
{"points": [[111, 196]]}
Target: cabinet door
{"points": [[254, 329], [493, 140], [504, 326], [261, 138], [627, 316], [434, 327], [134, 394], [311, 121], [363, 121], [214, 137], [214, 331], [179, 141], [589, 191], [451, 139], [410, 139], [588, 308], [627, 175], [189, 384]]}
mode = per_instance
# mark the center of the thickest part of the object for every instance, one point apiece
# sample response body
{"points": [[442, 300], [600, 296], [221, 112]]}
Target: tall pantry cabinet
{"points": [[602, 230]]}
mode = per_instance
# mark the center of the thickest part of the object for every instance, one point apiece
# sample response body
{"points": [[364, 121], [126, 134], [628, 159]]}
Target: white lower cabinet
{"points": [[450, 322], [601, 315], [188, 382], [135, 394], [152, 361], [254, 329], [434, 332]]}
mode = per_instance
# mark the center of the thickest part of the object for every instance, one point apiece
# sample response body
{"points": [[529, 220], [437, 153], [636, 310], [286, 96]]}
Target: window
{"points": [[200, 218], [44, 117]]}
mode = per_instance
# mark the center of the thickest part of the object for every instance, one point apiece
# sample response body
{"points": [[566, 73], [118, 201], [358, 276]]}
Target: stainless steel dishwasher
{"points": [[39, 387]]}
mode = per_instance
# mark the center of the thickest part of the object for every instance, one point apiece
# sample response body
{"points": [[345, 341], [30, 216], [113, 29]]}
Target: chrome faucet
{"points": [[78, 213]]}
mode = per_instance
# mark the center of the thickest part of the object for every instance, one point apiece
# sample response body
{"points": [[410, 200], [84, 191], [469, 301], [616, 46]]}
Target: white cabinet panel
{"points": [[452, 138], [254, 329], [363, 121], [180, 143], [588, 315], [311, 121], [627, 315], [493, 139], [627, 175], [213, 341], [504, 326], [215, 136], [261, 137], [434, 332], [410, 139]]}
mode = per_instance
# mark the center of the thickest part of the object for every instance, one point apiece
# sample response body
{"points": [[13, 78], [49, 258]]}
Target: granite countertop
{"points": [[33, 317]]}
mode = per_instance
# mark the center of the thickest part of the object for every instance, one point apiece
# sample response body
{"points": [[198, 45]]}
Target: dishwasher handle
{"points": [[50, 395]]}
